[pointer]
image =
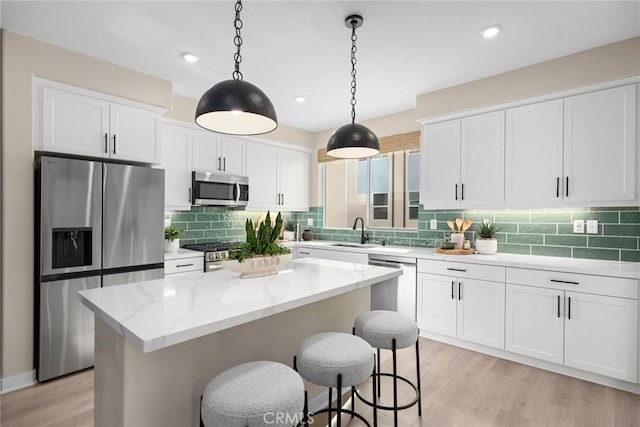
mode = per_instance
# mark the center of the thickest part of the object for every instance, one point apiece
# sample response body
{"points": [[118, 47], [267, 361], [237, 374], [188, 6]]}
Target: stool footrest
{"points": [[391, 408], [340, 412]]}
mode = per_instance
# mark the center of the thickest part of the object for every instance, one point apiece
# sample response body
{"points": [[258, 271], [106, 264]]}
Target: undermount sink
{"points": [[352, 245]]}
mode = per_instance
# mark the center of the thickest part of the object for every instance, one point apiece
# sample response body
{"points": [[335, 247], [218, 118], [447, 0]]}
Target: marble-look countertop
{"points": [[182, 253], [160, 313], [630, 270]]}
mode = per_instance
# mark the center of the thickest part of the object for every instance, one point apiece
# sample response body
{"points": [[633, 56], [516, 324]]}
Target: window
{"points": [[385, 190]]}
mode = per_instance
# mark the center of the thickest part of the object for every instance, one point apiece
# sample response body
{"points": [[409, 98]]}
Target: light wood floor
{"points": [[460, 388]]}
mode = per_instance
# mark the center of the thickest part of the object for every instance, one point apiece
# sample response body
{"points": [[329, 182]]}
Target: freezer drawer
{"points": [[66, 328], [132, 277]]}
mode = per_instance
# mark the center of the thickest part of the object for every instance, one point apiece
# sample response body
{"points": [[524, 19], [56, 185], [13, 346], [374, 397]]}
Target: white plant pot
{"points": [[289, 235], [258, 266], [171, 245], [486, 246]]}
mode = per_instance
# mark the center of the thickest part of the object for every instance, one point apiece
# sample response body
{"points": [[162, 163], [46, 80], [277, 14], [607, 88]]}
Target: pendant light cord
{"points": [[353, 71], [237, 40]]}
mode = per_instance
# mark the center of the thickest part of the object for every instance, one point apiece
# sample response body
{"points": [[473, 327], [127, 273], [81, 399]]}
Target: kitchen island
{"points": [[158, 343]]}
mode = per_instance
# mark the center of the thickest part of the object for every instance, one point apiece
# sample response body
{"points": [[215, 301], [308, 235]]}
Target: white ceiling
{"points": [[303, 47]]}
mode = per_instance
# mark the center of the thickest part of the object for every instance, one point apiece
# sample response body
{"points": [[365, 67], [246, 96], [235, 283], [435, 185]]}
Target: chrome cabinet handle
{"points": [[452, 295], [567, 187], [219, 163], [456, 191], [557, 186], [456, 269], [569, 312], [462, 192], [184, 265], [282, 199], [224, 164], [106, 143], [303, 253], [558, 306], [459, 293], [114, 143]]}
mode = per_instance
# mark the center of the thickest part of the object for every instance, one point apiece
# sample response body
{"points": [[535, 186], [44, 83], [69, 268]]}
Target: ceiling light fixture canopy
{"points": [[491, 32], [235, 106], [353, 140]]}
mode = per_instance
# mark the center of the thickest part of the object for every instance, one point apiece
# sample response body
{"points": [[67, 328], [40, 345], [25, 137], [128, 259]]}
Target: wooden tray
{"points": [[455, 251]]}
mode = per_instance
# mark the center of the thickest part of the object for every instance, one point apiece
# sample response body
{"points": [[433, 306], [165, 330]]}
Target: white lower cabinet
{"points": [[584, 330], [460, 306]]}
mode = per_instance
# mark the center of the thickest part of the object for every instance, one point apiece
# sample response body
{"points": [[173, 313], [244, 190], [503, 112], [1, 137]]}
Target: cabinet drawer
{"points": [[184, 264], [460, 269], [600, 285]]}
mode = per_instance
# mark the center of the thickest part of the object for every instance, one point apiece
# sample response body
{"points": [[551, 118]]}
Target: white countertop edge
{"points": [[622, 269], [146, 345], [182, 253]]}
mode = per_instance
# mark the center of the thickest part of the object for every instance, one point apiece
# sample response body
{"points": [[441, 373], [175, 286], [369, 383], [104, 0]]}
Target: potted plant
{"points": [[172, 237], [486, 242], [289, 234], [260, 255]]}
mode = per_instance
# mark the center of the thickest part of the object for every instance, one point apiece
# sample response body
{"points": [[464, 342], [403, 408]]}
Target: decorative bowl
{"points": [[258, 266]]}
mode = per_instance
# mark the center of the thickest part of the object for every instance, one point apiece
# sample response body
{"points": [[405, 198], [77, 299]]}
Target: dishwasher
{"points": [[397, 294]]}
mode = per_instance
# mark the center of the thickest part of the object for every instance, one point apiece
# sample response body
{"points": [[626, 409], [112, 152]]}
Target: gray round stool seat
{"points": [[380, 327], [253, 394], [322, 357]]}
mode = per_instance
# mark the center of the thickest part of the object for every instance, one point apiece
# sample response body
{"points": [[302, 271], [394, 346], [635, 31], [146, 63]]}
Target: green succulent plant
{"points": [[171, 233], [488, 230], [260, 243]]}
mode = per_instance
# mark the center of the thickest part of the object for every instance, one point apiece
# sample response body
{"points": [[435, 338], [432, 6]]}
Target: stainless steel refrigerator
{"points": [[97, 224]]}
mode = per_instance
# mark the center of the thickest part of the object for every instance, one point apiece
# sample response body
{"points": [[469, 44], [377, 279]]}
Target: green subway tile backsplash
{"points": [[547, 232]]}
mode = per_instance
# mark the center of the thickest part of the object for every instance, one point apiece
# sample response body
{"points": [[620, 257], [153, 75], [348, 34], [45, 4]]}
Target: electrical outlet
{"points": [[433, 224], [310, 221], [592, 226], [167, 222], [578, 226]]}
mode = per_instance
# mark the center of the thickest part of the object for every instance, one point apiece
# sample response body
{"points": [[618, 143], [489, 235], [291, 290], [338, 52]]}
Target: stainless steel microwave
{"points": [[219, 189]]}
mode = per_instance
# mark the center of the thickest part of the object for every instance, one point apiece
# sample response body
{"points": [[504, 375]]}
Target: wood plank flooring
{"points": [[460, 388]]}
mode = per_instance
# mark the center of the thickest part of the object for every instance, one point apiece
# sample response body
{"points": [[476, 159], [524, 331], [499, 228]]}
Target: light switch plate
{"points": [[433, 224], [592, 226], [310, 221], [578, 226], [167, 222]]}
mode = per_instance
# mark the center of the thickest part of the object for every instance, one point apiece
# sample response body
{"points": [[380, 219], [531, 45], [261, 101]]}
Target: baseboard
{"points": [[16, 382]]}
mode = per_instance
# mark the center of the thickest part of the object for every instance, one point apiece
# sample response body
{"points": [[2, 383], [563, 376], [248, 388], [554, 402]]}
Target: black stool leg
{"points": [[330, 401], [395, 384], [353, 400], [377, 377], [375, 400], [418, 371], [339, 401], [306, 409]]}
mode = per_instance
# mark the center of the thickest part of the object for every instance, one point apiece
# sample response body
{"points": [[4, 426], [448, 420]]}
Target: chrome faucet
{"points": [[363, 237]]}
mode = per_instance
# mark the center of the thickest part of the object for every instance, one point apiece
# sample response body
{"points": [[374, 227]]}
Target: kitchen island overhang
{"points": [[158, 343]]}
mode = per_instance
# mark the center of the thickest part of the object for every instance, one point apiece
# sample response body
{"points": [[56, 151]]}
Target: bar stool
{"points": [[336, 360], [392, 331], [254, 394]]}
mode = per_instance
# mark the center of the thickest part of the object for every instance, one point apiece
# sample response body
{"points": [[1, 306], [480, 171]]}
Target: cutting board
{"points": [[455, 251]]}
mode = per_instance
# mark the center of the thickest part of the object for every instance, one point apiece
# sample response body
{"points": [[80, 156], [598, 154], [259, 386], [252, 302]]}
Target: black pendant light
{"points": [[235, 106], [353, 141]]}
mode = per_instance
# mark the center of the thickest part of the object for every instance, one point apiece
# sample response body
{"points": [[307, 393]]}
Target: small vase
{"points": [[307, 235], [171, 245], [457, 239], [486, 246]]}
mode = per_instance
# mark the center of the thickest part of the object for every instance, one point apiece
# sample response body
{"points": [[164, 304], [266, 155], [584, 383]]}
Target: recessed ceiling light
{"points": [[299, 99], [189, 57], [491, 31]]}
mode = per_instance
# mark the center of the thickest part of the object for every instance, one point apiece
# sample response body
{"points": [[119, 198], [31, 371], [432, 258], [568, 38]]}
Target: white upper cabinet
{"points": [[463, 162], [482, 160], [278, 178], [219, 153], [533, 151], [176, 149], [600, 146], [76, 121]]}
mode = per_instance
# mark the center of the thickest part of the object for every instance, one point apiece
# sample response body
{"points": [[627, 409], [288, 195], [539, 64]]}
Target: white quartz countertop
{"points": [[160, 313], [629, 270], [182, 253]]}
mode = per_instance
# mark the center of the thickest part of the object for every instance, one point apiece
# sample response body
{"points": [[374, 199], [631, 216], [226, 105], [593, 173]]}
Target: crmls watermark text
{"points": [[285, 418]]}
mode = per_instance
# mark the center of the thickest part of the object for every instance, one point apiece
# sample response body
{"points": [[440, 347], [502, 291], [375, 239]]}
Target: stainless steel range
{"points": [[214, 253]]}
